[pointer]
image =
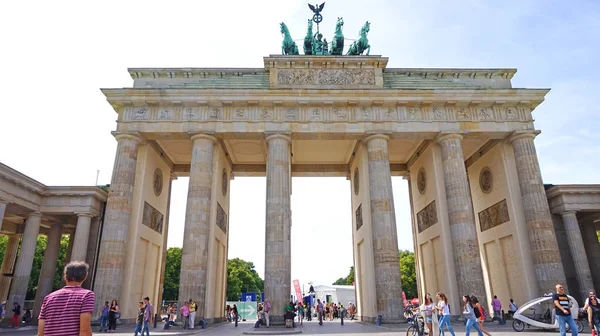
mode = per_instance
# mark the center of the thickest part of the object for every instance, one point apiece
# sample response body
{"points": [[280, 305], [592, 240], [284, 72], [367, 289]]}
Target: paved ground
{"points": [[308, 328]]}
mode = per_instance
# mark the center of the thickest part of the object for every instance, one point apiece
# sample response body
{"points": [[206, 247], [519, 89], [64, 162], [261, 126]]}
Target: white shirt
{"points": [[445, 308]]}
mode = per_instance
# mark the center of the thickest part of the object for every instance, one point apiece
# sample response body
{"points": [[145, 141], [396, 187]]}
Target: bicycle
{"points": [[418, 325]]}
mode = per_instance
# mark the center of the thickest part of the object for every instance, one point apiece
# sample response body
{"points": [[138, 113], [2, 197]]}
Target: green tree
{"points": [[408, 274], [598, 234], [348, 280], [242, 277], [172, 272]]}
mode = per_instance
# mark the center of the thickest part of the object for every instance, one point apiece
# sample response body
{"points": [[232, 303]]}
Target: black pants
{"points": [[112, 322]]}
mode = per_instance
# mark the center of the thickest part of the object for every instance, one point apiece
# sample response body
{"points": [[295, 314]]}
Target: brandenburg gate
{"points": [[463, 138]]}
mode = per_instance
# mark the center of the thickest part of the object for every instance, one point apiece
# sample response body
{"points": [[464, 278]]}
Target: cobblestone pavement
{"points": [[308, 328]]}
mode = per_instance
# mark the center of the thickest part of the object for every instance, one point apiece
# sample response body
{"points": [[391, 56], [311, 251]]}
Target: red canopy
{"points": [[414, 301]]}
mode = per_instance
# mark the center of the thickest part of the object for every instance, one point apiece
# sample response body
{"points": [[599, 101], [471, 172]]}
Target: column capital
{"points": [[516, 135], [128, 135], [198, 136], [447, 136], [569, 213], [172, 176], [285, 137], [380, 136], [34, 214], [3, 201], [84, 214]]}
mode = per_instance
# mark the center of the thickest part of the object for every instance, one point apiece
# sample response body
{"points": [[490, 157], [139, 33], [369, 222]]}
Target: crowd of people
{"points": [[68, 311]]}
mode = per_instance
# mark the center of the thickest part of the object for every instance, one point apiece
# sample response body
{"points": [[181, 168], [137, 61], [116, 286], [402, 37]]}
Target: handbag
{"points": [[117, 316]]}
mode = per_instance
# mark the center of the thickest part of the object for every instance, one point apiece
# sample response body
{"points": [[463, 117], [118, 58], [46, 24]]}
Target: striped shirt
{"points": [[61, 310]]}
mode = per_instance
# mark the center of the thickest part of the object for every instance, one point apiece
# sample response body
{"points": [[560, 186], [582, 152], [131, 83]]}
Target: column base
{"points": [[384, 320]]}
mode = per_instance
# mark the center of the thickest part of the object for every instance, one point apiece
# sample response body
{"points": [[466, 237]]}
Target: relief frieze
{"points": [[427, 217], [152, 218], [300, 77], [494, 216], [308, 113]]}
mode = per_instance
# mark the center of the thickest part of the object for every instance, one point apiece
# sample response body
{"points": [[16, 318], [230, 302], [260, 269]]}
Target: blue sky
{"points": [[55, 123]]}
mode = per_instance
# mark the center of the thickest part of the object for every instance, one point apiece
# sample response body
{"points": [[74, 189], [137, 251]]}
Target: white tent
{"points": [[341, 294]]}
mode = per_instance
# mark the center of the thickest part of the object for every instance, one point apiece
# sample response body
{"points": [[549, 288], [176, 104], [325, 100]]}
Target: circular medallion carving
{"points": [[224, 182], [421, 181], [486, 181], [356, 181], [157, 181]]}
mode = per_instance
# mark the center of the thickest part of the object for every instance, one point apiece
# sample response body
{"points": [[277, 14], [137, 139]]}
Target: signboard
{"points": [[246, 309], [297, 288]]}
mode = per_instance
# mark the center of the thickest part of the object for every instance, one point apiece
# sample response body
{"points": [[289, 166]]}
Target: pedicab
{"points": [[539, 313]]}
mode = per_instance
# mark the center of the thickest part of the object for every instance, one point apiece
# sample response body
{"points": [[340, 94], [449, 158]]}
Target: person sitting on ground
{"points": [[290, 313]]}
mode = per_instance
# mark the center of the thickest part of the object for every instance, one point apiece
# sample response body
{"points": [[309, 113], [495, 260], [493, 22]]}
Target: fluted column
{"points": [[278, 262], [8, 265], [194, 254], [82, 235], [388, 286], [48, 270], [113, 246], [542, 237], [465, 247], [580, 260], [25, 260]]}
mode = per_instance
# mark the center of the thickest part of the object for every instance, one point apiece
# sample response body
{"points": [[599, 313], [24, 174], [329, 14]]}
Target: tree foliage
{"points": [[348, 280], [242, 277], [408, 274], [598, 234], [38, 258], [172, 272]]}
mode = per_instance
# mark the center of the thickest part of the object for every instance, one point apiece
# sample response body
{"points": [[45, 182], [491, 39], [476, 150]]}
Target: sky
{"points": [[55, 123]]}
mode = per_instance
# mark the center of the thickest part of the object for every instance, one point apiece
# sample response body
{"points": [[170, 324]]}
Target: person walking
{"points": [[113, 314], [148, 312], [593, 313], [300, 309], [428, 309], [185, 315], [444, 309], [479, 314], [497, 306], [267, 312], [15, 320], [562, 309], [68, 311], [140, 319], [342, 311], [193, 309], [104, 317], [512, 308], [320, 311], [470, 316], [234, 312]]}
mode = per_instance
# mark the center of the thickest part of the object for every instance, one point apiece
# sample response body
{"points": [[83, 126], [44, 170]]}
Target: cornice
{"points": [[563, 189]]}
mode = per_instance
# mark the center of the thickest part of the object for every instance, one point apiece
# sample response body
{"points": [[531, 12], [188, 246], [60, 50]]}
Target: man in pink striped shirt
{"points": [[68, 311]]}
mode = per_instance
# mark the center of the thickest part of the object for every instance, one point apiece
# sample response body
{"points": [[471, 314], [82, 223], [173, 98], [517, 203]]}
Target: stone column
{"points": [[278, 262], [48, 270], [163, 263], [25, 260], [592, 249], [8, 265], [388, 286], [113, 246], [580, 260], [196, 235], [465, 246], [82, 234], [542, 238]]}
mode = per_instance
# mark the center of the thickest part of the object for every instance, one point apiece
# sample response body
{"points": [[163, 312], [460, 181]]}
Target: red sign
{"points": [[297, 288]]}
